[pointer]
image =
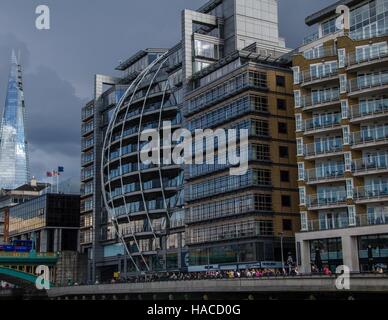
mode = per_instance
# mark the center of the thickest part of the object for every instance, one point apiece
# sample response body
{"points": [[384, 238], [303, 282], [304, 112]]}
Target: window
{"points": [[302, 196], [298, 122], [343, 83], [304, 221], [261, 127], [297, 98], [283, 152], [286, 201], [282, 104], [263, 202], [284, 176], [341, 58], [287, 225], [344, 109], [261, 152], [280, 81], [296, 74], [301, 171], [299, 147], [282, 127]]}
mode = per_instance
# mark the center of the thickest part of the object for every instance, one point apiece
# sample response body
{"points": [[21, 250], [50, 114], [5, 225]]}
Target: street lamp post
{"points": [[281, 249]]}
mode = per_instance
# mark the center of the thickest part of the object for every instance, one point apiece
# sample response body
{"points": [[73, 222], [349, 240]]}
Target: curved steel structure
{"points": [[140, 198]]}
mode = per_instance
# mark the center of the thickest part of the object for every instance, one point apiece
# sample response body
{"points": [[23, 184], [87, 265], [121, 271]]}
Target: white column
{"points": [[350, 252]]}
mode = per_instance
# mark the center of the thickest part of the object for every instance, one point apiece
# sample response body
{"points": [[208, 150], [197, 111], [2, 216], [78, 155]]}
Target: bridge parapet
{"points": [[313, 284]]}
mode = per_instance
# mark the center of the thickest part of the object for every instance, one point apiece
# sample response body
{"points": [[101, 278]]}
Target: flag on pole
{"points": [[49, 174], [61, 169]]}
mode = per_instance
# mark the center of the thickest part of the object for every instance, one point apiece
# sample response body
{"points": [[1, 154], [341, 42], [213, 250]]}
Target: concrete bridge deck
{"points": [[306, 284]]}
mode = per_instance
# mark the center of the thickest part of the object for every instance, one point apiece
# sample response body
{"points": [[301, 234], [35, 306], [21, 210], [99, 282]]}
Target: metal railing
{"points": [[327, 199], [316, 175], [307, 77], [318, 123], [307, 101], [327, 224], [370, 82], [359, 111], [311, 38], [354, 59], [371, 192], [363, 220], [315, 149], [365, 165], [370, 136], [320, 53]]}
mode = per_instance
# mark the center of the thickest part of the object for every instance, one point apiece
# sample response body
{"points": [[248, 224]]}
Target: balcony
{"points": [[322, 124], [324, 101], [367, 166], [87, 113], [308, 79], [356, 62], [320, 53], [87, 128], [319, 175], [318, 150], [371, 193], [374, 84], [363, 220], [327, 224], [311, 38], [327, 200], [363, 112], [369, 138]]}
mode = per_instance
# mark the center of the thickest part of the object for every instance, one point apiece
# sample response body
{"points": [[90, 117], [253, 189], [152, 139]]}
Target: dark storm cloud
{"points": [[88, 37]]}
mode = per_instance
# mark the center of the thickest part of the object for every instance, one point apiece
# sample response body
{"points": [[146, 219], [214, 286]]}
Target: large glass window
{"points": [[206, 49]]}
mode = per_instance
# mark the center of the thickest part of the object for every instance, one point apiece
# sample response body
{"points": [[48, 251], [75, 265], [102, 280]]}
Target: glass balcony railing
{"points": [[308, 101], [369, 82], [322, 174], [322, 123], [308, 76], [334, 198], [373, 192], [374, 55], [377, 108], [365, 165], [319, 53], [311, 38], [363, 220], [316, 149], [370, 136], [328, 224]]}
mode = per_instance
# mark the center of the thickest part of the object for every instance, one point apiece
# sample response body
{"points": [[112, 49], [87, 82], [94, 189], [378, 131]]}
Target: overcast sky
{"points": [[88, 37]]}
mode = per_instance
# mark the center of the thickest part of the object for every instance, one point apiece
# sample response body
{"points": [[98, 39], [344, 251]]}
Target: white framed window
{"points": [[341, 58], [343, 83], [345, 109], [299, 147], [301, 172], [348, 161], [298, 122], [296, 72], [346, 135], [302, 196], [352, 215], [349, 188], [303, 221], [297, 98]]}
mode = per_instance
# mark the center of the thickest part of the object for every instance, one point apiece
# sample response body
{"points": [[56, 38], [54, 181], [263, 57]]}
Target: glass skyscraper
{"points": [[14, 168]]}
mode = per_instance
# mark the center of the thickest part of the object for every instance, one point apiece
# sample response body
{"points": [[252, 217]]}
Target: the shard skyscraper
{"points": [[14, 164]]}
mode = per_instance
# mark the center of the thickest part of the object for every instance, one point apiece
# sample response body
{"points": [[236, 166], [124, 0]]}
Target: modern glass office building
{"points": [[14, 166], [140, 217], [341, 85]]}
